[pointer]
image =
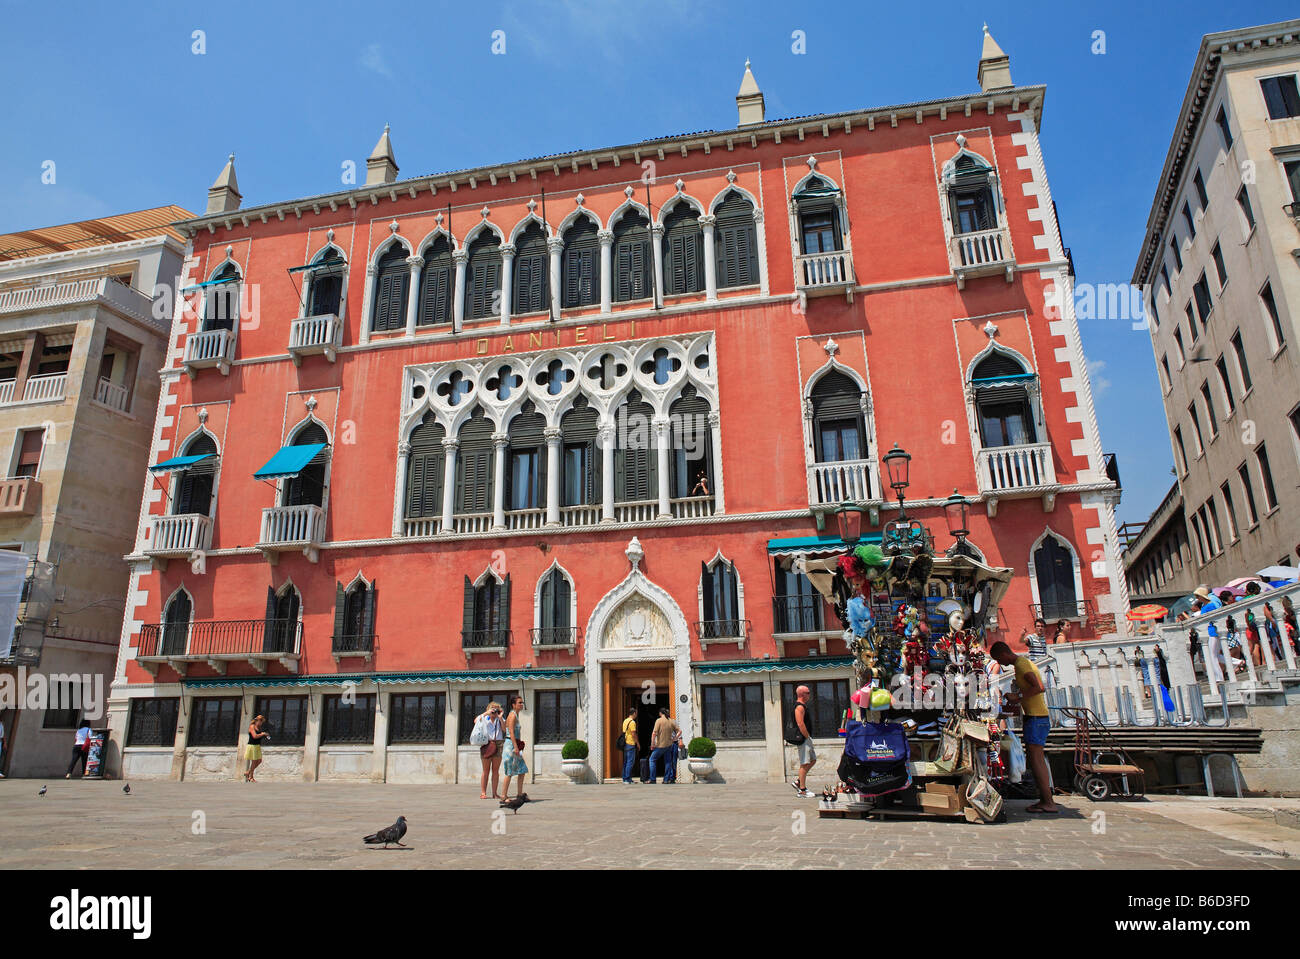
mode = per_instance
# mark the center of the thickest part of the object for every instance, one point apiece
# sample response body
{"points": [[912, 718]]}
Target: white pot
{"points": [[700, 767], [575, 769]]}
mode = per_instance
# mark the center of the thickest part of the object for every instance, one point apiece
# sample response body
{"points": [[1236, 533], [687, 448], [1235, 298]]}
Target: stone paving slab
{"points": [[684, 826]]}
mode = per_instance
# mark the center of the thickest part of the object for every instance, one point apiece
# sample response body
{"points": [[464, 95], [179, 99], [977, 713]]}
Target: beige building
{"points": [[80, 344], [1222, 283]]}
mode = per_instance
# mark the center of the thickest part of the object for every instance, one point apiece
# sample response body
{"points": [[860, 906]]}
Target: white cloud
{"points": [[372, 58], [1099, 382]]}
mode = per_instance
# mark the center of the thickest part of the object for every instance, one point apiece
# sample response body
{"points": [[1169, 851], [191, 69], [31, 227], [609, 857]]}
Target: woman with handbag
{"points": [[80, 749], [513, 763], [253, 751], [489, 728]]}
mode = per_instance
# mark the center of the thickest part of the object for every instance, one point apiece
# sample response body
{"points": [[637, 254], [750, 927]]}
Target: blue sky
{"points": [[132, 117]]}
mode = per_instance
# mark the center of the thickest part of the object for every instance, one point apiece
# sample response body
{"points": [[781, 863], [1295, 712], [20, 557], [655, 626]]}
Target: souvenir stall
{"points": [[922, 735]]}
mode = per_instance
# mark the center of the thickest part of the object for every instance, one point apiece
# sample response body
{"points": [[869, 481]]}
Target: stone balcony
{"points": [[982, 253], [20, 496], [824, 274], [315, 336], [208, 349], [292, 528], [177, 537], [1017, 472]]}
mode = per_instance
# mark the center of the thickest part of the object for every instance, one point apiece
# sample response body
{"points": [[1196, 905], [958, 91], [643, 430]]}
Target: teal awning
{"points": [[817, 193], [289, 461], [318, 265], [338, 679], [225, 281], [987, 380], [771, 665], [180, 463], [815, 544]]}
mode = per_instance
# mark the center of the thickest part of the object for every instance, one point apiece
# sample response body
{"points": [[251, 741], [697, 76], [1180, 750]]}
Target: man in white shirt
{"points": [[80, 749]]}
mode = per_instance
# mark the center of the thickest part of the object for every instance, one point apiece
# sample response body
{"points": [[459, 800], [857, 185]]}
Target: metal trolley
{"points": [[1101, 766]]}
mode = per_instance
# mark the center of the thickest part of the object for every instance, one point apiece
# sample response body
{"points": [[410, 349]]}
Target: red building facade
{"points": [[557, 427]]}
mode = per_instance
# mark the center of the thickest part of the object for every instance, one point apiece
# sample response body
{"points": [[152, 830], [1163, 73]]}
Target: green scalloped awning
{"points": [[337, 679], [815, 544], [771, 665]]}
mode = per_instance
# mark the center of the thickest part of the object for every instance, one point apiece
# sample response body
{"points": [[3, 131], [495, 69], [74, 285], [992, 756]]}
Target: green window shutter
{"points": [[382, 298], [368, 610], [548, 601], [467, 619], [340, 600], [623, 271], [435, 293], [269, 624], [502, 616]]}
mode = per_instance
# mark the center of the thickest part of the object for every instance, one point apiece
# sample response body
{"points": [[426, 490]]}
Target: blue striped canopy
{"points": [[288, 461], [180, 463]]}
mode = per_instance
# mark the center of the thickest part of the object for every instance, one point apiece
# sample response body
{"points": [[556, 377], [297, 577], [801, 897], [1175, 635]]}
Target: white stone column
{"points": [[663, 436], [449, 447], [553, 437], [451, 736], [507, 280], [413, 293], [710, 263], [399, 501], [606, 436], [715, 420], [657, 242], [459, 257], [500, 442], [761, 236], [311, 737], [379, 758], [556, 246], [371, 272], [606, 238]]}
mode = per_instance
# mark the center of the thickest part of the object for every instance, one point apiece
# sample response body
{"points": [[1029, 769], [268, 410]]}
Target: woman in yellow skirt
{"points": [[253, 751]]}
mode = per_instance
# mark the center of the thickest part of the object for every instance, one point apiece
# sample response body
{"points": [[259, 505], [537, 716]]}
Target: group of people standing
{"points": [[503, 750], [665, 743]]}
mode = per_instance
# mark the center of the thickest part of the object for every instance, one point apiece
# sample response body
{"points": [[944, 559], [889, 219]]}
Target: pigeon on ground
{"points": [[127, 789], [42, 792], [514, 803], [389, 834]]}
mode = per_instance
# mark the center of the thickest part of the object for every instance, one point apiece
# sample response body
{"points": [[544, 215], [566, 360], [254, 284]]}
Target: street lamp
{"points": [[848, 516], [897, 465], [955, 507]]}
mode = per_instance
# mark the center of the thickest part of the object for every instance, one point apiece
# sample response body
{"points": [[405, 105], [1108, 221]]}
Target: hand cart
{"points": [[1101, 765]]}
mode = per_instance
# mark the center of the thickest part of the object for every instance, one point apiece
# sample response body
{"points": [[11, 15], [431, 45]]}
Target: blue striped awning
{"points": [[338, 679], [288, 461], [318, 265], [772, 665], [180, 463], [224, 281], [815, 544]]}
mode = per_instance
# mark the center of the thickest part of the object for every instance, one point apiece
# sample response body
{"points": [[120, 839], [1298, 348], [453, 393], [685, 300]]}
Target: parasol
{"points": [[1184, 605], [1147, 613], [1288, 573]]}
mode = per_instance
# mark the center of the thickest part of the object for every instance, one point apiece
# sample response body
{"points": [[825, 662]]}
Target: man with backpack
{"points": [[799, 733]]}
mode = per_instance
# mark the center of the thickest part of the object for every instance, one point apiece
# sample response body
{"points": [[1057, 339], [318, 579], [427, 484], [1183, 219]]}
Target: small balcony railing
{"points": [[287, 528], [314, 334], [639, 511], [798, 614], [209, 348], [830, 484], [7, 391], [48, 386], [178, 535], [258, 641], [112, 395], [821, 273], [421, 525], [979, 253], [525, 518], [691, 507], [722, 631], [1083, 609], [471, 522], [588, 515], [1006, 469], [485, 641], [20, 496], [555, 637], [352, 644]]}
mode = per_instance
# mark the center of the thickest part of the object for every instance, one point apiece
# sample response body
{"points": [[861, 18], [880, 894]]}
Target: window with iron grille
{"points": [[829, 700], [61, 714], [417, 717], [348, 722], [733, 712], [556, 720], [152, 722], [286, 719], [473, 705], [214, 721]]}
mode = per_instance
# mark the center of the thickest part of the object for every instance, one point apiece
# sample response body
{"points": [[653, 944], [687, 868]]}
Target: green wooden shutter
{"points": [[467, 618], [623, 278], [368, 610], [269, 624], [503, 605], [340, 601]]}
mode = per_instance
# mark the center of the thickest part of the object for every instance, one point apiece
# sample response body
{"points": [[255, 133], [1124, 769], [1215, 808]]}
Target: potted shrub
{"points": [[699, 757], [573, 759]]}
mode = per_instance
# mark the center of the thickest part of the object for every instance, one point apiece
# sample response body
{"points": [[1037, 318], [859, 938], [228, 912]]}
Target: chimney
{"points": [[223, 195], [381, 167], [995, 66], [749, 101]]}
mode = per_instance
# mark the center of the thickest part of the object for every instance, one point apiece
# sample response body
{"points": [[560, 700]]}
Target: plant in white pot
{"points": [[699, 757], [573, 760]]}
